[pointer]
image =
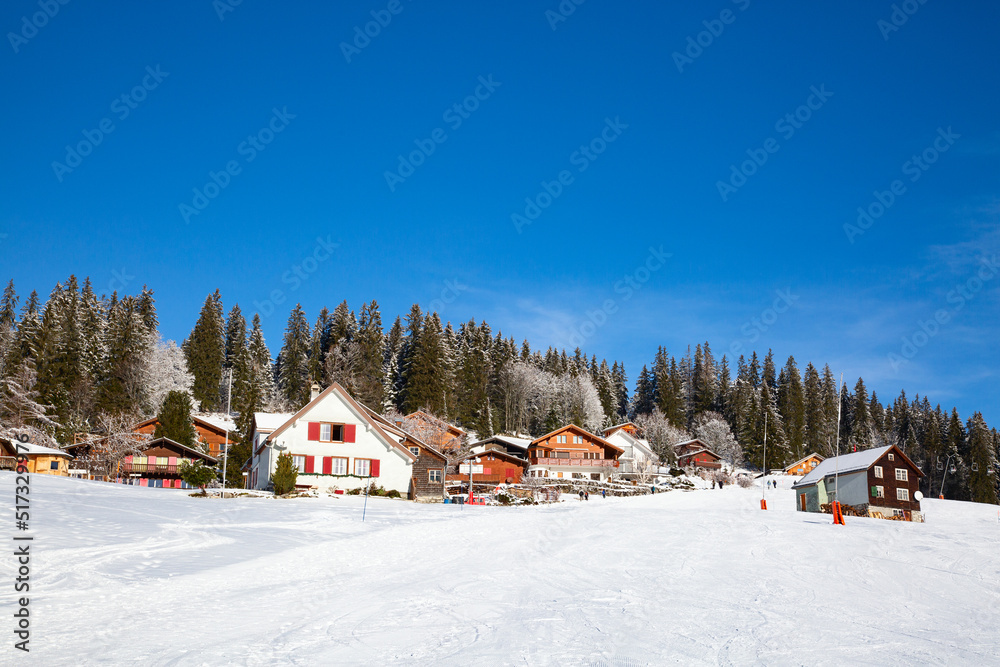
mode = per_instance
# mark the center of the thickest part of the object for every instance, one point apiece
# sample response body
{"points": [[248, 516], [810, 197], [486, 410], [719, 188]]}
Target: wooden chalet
{"points": [[881, 483], [696, 454], [804, 465], [492, 466], [40, 460], [159, 463], [571, 452], [210, 430], [506, 443]]}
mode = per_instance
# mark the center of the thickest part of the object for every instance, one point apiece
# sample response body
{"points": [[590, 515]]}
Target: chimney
{"points": [[314, 392]]}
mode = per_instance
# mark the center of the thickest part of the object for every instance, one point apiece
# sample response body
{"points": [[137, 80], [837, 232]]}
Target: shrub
{"points": [[284, 476], [196, 474], [393, 494]]}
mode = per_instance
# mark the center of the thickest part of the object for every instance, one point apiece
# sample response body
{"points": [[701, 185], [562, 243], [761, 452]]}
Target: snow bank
{"points": [[152, 576]]}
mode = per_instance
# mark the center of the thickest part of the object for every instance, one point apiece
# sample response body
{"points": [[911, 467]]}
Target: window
{"points": [[54, 465], [577, 439], [415, 451], [878, 472], [902, 494], [878, 492], [577, 475], [596, 476], [901, 475], [561, 439], [434, 475], [362, 467], [300, 463], [331, 432], [338, 465], [892, 457]]}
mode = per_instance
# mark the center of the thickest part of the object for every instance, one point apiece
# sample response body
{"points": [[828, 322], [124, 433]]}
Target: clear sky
{"points": [[709, 152]]}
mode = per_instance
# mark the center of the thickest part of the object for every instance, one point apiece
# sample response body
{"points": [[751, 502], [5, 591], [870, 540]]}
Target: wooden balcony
{"points": [[149, 468], [8, 462], [587, 463]]}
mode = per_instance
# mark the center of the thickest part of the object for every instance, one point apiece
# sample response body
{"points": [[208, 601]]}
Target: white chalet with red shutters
{"points": [[335, 444]]}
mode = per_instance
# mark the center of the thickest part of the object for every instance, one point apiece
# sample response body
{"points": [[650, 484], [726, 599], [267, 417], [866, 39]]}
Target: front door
{"points": [[802, 501]]}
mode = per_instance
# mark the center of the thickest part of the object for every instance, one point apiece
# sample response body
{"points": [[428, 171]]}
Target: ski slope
{"points": [[155, 577]]}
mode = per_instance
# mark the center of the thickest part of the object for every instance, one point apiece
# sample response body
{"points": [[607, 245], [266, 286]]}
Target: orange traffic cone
{"points": [[763, 504]]}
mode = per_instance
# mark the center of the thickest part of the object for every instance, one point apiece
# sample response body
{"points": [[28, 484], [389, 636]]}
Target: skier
{"points": [[602, 494], [586, 495]]}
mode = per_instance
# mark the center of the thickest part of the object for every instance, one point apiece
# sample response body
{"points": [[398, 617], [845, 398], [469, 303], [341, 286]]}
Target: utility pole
{"points": [[225, 447]]}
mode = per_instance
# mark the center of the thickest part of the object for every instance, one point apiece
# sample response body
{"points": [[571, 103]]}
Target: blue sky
{"points": [[641, 137]]}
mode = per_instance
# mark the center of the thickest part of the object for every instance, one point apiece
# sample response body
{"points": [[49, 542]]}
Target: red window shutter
{"points": [[327, 465], [349, 430], [310, 464], [313, 431], [375, 467]]}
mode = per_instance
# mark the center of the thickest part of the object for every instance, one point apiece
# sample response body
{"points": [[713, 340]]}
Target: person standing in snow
{"points": [[581, 495], [586, 495], [602, 494]]}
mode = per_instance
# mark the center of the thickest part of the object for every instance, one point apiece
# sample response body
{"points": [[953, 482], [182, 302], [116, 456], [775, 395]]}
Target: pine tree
{"points": [[205, 350], [983, 468], [293, 361], [830, 398], [392, 378], [621, 391], [236, 335], [319, 348], [8, 322], [792, 406], [174, 419], [371, 356], [125, 383], [862, 429]]}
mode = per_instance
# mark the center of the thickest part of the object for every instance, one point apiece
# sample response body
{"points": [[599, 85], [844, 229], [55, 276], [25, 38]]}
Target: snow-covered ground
{"points": [[155, 577]]}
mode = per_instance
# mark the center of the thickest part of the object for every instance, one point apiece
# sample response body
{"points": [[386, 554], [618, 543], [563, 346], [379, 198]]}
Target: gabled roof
{"points": [[703, 450], [850, 463], [611, 429], [631, 440], [701, 442], [392, 429], [499, 453], [580, 431], [184, 448], [219, 422], [269, 421], [804, 459], [355, 407], [518, 443], [33, 450], [420, 414]]}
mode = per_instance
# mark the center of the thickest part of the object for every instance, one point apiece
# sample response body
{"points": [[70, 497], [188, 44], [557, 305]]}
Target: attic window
{"points": [[892, 457], [331, 432], [415, 451]]}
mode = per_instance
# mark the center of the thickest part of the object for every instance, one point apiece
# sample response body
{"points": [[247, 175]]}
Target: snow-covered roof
{"points": [[269, 421], [520, 443], [28, 448], [688, 442], [219, 421], [630, 440], [843, 464]]}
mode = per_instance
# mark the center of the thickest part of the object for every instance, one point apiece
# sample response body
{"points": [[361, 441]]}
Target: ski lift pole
{"points": [[367, 486], [763, 502], [944, 477]]}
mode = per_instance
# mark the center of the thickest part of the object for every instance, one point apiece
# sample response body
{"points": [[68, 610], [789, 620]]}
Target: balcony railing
{"points": [[592, 463], [8, 462], [156, 468]]}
